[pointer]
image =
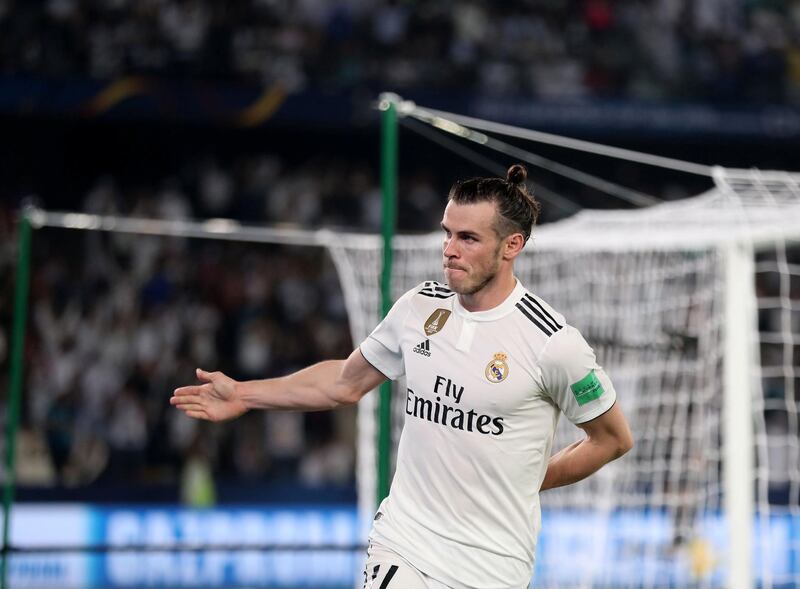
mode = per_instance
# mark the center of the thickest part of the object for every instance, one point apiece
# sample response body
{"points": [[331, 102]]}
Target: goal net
{"points": [[693, 307]]}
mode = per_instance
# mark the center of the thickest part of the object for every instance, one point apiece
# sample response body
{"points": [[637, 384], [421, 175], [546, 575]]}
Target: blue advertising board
{"points": [[627, 548]]}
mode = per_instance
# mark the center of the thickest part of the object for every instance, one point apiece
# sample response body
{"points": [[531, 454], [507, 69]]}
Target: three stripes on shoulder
{"points": [[528, 305], [533, 310]]}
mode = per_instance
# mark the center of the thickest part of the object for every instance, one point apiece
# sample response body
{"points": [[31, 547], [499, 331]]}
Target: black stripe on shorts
{"points": [[388, 577]]}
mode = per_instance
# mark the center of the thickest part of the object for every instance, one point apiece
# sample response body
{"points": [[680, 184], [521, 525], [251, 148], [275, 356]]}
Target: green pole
{"points": [[15, 385], [389, 216]]}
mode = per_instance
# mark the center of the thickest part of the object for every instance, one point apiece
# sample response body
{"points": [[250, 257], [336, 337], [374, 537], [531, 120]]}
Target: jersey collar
{"points": [[501, 310]]}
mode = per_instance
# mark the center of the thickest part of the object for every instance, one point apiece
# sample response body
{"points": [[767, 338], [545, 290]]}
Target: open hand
{"points": [[215, 400]]}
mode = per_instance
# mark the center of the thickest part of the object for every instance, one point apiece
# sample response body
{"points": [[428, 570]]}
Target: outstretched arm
{"points": [[325, 385], [607, 438]]}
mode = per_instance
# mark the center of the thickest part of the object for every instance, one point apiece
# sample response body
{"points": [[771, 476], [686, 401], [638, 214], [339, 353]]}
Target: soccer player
{"points": [[489, 366]]}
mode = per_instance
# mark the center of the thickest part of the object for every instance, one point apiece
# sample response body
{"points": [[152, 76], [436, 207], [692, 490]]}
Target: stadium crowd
{"points": [[722, 50], [118, 321]]}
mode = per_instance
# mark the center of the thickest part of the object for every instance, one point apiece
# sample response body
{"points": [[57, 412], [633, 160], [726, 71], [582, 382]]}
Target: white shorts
{"points": [[385, 569]]}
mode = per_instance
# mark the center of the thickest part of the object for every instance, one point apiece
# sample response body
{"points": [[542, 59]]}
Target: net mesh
{"points": [[647, 289], [777, 278]]}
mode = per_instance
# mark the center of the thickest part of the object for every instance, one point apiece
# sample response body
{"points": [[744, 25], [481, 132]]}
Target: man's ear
{"points": [[513, 245]]}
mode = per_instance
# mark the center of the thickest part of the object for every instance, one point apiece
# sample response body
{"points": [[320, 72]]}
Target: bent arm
{"points": [[607, 438], [326, 385]]}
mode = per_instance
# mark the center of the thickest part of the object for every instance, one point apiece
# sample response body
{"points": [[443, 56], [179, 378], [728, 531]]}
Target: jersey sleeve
{"points": [[573, 379], [382, 348]]}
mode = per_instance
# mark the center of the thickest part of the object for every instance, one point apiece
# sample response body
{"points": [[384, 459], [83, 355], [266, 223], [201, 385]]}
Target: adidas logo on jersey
{"points": [[423, 348]]}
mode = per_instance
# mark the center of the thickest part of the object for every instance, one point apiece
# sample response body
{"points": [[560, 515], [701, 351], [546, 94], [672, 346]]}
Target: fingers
{"points": [[190, 390], [185, 399], [192, 407], [203, 375], [192, 399], [195, 389]]}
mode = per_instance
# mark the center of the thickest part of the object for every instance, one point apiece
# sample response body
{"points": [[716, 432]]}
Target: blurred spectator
{"points": [[33, 460], [119, 320], [197, 480], [714, 49]]}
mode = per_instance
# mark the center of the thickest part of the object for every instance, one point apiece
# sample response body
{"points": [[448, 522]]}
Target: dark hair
{"points": [[517, 209]]}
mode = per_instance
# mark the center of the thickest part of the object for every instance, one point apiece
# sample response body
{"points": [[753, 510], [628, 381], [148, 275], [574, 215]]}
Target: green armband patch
{"points": [[587, 389]]}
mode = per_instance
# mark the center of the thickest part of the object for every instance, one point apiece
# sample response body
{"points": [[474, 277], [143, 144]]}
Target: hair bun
{"points": [[516, 174]]}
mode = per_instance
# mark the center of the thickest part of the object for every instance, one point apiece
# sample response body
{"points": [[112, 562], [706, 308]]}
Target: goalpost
{"points": [[678, 300], [692, 306], [670, 297]]}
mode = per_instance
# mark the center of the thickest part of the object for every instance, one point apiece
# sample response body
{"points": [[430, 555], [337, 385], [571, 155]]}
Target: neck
{"points": [[491, 295]]}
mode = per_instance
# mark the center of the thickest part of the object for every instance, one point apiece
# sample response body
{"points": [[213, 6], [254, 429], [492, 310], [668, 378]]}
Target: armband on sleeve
{"points": [[573, 379]]}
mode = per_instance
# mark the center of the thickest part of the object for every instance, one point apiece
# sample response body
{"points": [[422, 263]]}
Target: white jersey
{"points": [[484, 392]]}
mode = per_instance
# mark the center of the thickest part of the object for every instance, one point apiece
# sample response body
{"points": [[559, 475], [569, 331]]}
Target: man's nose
{"points": [[450, 249]]}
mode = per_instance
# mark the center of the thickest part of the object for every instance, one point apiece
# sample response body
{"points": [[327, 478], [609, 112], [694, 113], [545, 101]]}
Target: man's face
{"points": [[471, 246]]}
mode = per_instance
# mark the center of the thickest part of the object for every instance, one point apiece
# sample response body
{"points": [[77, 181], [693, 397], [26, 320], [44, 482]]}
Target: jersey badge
{"points": [[497, 369], [436, 321]]}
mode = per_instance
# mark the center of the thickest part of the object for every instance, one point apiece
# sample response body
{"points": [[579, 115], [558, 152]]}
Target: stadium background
{"points": [[263, 111]]}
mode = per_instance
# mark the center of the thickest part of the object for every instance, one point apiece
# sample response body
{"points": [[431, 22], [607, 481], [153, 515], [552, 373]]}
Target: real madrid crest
{"points": [[436, 321], [497, 369]]}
